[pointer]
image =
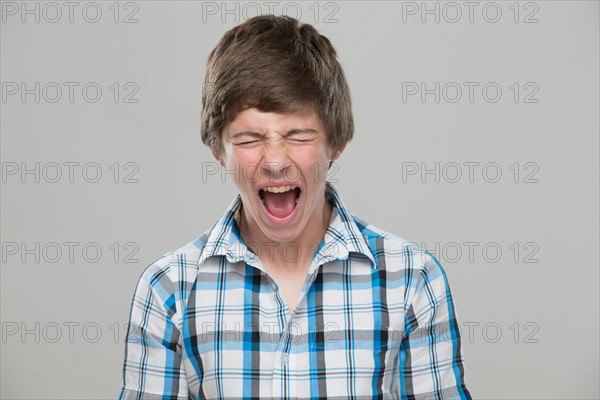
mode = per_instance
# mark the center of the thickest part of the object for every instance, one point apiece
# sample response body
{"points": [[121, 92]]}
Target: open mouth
{"points": [[280, 201]]}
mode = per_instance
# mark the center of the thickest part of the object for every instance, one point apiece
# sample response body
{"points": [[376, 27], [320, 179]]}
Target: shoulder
{"points": [[175, 268], [393, 252]]}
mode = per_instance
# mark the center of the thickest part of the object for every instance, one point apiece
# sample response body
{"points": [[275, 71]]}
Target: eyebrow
{"points": [[261, 135]]}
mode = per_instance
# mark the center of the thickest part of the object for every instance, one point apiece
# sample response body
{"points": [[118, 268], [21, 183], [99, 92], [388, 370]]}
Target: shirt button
{"points": [[285, 358], [274, 286]]}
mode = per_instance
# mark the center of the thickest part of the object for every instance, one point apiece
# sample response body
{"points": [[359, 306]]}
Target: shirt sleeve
{"points": [[431, 359], [153, 367]]}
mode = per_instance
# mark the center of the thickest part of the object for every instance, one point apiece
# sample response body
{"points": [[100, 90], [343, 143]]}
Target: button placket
{"points": [[282, 358], [285, 365]]}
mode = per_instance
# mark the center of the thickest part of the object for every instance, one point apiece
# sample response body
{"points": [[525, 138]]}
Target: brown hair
{"points": [[275, 64]]}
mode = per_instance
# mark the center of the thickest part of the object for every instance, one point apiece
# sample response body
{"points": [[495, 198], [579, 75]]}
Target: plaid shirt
{"points": [[375, 320]]}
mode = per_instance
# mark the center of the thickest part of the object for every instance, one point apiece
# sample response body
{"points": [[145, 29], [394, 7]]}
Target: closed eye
{"points": [[302, 137], [247, 143], [245, 138]]}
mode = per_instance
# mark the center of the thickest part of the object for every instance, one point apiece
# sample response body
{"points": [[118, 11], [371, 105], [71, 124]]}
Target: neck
{"points": [[288, 254]]}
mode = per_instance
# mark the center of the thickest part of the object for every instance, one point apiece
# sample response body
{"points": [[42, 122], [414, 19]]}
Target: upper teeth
{"points": [[279, 189]]}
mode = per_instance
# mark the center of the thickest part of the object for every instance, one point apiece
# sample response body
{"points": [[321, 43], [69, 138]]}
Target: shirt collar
{"points": [[343, 236]]}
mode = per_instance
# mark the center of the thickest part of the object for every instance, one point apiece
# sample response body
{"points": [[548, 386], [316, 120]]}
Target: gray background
{"points": [[529, 315]]}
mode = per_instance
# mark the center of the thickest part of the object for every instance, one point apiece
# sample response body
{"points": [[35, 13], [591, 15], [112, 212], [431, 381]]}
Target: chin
{"points": [[282, 234]]}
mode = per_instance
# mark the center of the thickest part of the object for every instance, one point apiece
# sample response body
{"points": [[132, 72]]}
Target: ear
{"points": [[219, 158], [338, 153]]}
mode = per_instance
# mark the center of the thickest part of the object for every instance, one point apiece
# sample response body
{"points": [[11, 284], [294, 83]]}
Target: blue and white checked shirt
{"points": [[376, 320]]}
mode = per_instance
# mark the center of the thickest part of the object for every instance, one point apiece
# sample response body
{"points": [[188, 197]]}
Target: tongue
{"points": [[280, 205]]}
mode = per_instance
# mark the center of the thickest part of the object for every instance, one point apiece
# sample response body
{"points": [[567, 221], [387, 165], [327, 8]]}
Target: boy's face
{"points": [[279, 162]]}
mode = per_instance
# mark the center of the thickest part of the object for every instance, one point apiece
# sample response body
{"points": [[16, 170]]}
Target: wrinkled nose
{"points": [[276, 160]]}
